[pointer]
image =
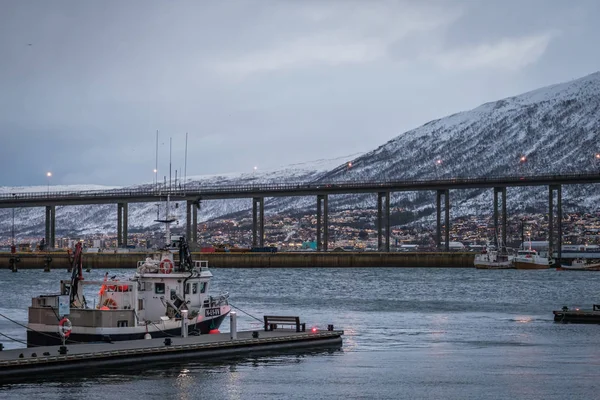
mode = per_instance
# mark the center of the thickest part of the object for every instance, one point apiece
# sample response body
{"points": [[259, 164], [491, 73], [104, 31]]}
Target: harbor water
{"points": [[410, 333]]}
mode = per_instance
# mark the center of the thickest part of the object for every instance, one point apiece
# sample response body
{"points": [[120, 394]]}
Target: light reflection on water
{"points": [[409, 333]]}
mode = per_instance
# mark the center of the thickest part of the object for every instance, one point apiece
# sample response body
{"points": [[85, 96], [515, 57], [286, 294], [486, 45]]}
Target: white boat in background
{"points": [[530, 259], [579, 264], [491, 258]]}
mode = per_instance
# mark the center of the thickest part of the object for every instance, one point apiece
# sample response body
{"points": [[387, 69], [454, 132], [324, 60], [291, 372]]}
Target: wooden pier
{"points": [[29, 364]]}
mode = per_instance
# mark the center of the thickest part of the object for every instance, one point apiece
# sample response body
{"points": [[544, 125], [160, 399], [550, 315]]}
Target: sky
{"points": [[85, 85]]}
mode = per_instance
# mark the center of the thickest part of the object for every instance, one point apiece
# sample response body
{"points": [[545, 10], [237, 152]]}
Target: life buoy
{"points": [[166, 266], [110, 303], [64, 327]]}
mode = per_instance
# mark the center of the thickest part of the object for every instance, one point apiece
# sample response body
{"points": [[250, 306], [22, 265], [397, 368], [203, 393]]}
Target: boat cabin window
{"points": [[140, 304], [173, 294], [202, 287], [159, 288], [194, 288], [121, 323]]}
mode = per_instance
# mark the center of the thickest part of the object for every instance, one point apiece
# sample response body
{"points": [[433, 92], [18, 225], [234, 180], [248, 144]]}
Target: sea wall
{"points": [[254, 260]]}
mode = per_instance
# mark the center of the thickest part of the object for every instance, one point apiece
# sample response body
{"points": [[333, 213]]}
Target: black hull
{"points": [[35, 338], [577, 317]]}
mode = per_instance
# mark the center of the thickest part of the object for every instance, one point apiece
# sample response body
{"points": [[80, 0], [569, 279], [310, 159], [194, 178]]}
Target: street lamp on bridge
{"points": [[49, 175]]}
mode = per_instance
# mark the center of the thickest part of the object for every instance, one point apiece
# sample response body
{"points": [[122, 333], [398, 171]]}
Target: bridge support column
{"points": [[122, 218], [189, 205], [194, 237], [50, 227], [258, 222], [446, 194], [319, 222], [438, 213], [500, 238], [551, 247], [383, 221], [447, 217], [322, 222]]}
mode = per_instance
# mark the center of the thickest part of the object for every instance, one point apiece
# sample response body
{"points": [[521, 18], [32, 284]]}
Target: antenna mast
{"points": [[185, 162], [156, 163], [170, 154]]}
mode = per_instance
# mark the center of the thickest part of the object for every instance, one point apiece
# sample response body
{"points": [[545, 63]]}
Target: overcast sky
{"points": [[84, 85]]}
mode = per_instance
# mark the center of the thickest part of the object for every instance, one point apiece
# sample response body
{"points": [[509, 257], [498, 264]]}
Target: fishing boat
{"points": [[162, 297], [492, 258], [530, 259], [579, 264]]}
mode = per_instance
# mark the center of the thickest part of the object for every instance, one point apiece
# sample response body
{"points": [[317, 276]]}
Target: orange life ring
{"points": [[110, 303], [166, 266], [64, 327]]}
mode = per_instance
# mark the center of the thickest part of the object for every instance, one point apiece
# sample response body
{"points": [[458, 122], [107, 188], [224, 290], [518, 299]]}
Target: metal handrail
{"points": [[278, 187]]}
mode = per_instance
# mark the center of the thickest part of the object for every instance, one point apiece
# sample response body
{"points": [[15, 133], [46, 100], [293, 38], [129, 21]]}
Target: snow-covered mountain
{"points": [[556, 129]]}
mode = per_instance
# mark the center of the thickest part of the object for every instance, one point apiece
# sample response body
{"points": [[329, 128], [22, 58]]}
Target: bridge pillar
{"points": [[446, 194], [500, 239], [188, 220], [122, 218], [558, 189], [119, 225], [194, 237], [50, 227], [319, 204], [322, 222], [447, 217], [258, 222], [383, 221], [438, 213], [325, 222]]}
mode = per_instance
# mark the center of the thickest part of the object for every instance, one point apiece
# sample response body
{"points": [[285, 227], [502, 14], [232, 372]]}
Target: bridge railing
{"points": [[191, 189]]}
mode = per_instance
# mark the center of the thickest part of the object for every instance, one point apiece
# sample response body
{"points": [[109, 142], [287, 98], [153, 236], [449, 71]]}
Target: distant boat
{"points": [[530, 259], [491, 258], [580, 265]]}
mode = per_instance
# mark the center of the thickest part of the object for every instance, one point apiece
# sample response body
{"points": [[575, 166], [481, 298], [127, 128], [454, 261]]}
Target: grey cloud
{"points": [[257, 82]]}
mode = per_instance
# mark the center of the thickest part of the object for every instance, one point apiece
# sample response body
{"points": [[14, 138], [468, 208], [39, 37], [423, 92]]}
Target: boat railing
{"points": [[219, 300]]}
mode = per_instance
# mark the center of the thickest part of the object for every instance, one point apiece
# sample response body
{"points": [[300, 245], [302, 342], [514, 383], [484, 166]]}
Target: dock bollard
{"points": [[184, 323], [233, 325]]}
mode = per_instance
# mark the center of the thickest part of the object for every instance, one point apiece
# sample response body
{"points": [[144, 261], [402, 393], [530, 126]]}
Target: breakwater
{"points": [[56, 260]]}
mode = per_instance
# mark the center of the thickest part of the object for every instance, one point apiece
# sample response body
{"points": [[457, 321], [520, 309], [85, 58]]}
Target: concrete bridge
{"points": [[193, 194]]}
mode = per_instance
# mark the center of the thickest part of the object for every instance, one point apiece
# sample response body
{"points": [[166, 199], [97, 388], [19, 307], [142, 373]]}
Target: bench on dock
{"points": [[271, 322]]}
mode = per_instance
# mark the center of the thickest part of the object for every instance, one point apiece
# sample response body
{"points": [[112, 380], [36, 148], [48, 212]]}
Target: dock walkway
{"points": [[30, 363]]}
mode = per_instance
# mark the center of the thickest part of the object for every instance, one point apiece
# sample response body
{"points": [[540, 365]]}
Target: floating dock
{"points": [[30, 364], [578, 316]]}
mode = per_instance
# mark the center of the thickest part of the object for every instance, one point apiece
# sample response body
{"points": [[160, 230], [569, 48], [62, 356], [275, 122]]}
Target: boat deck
{"points": [[29, 363]]}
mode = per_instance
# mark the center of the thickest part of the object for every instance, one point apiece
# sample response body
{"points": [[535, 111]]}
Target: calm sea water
{"points": [[409, 334]]}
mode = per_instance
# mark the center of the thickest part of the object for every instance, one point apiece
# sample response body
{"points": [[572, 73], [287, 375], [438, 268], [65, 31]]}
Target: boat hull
{"points": [[493, 265], [530, 265], [591, 267], [51, 338]]}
